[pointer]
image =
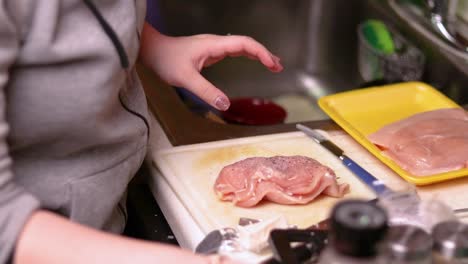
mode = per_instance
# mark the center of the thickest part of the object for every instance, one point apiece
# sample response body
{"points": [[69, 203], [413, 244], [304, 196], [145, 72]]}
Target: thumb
{"points": [[206, 91]]}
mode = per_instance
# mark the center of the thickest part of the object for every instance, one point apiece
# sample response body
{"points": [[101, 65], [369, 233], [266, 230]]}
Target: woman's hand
{"points": [[179, 60]]}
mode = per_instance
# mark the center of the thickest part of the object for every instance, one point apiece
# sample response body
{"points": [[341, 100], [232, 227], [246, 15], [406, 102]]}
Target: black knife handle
{"points": [[332, 147]]}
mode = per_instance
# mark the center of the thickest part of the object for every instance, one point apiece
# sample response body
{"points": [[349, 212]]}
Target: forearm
{"points": [[48, 238], [151, 42]]}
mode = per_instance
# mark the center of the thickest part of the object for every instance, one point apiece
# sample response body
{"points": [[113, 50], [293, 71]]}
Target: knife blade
{"points": [[373, 183]]}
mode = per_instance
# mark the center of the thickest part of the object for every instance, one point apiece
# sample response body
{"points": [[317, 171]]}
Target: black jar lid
{"points": [[356, 227], [451, 239]]}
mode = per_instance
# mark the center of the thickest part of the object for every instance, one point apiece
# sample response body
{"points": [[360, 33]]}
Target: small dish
{"points": [[254, 111]]}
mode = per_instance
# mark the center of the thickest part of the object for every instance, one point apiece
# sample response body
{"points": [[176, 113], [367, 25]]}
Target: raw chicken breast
{"points": [[280, 179], [427, 143]]}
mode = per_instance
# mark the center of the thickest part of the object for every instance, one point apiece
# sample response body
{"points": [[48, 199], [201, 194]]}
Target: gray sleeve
{"points": [[16, 205]]}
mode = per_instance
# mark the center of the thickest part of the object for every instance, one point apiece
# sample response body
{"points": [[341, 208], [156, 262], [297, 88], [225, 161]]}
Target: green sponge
{"points": [[378, 36]]}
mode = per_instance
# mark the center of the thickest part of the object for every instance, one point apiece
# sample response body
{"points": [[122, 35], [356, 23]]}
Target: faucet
{"points": [[441, 15]]}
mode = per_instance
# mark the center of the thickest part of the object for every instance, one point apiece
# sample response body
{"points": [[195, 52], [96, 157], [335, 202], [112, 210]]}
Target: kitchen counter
{"points": [[173, 125], [189, 233]]}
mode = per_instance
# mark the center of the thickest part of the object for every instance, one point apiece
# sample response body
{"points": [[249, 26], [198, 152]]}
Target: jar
{"points": [[356, 228], [450, 242], [406, 208], [407, 244]]}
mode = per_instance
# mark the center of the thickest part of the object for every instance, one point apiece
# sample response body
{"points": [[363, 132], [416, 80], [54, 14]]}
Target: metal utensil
{"points": [[225, 238], [376, 185]]}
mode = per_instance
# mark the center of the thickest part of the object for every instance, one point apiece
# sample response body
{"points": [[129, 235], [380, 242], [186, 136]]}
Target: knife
{"points": [[376, 185]]}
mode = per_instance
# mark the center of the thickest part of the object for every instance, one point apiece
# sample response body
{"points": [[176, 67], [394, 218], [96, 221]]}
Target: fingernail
{"points": [[276, 60], [222, 103], [278, 66]]}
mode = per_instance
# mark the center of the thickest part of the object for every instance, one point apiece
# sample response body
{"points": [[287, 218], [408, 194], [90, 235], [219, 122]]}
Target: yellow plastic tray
{"points": [[363, 111]]}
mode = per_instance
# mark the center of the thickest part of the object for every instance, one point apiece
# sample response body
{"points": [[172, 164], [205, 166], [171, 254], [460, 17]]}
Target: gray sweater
{"points": [[72, 129]]}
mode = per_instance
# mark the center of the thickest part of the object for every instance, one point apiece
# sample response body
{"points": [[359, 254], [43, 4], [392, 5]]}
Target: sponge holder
{"points": [[406, 64]]}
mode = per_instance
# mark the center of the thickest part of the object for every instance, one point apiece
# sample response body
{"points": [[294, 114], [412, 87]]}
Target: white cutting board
{"points": [[191, 171]]}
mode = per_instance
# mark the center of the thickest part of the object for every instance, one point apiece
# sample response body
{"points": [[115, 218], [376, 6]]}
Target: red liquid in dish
{"points": [[254, 111]]}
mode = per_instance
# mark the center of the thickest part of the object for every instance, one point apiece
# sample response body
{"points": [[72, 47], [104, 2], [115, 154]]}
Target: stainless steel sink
{"points": [[317, 43]]}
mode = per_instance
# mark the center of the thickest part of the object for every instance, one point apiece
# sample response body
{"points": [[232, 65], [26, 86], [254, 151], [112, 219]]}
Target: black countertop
{"points": [[145, 218]]}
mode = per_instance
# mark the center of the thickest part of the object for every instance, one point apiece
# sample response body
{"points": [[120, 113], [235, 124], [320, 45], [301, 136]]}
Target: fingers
{"points": [[246, 46], [223, 46], [206, 91], [191, 54]]}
